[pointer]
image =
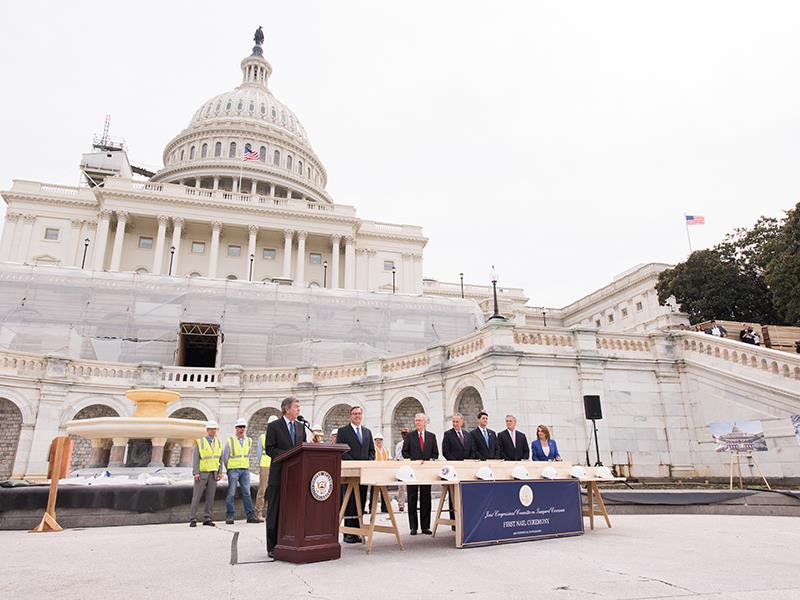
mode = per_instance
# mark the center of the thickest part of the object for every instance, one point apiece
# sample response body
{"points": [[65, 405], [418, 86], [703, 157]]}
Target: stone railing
{"points": [[171, 190], [188, 377], [466, 347], [733, 355], [623, 343], [378, 228], [261, 377], [349, 371], [414, 360], [18, 363], [545, 336], [47, 189]]}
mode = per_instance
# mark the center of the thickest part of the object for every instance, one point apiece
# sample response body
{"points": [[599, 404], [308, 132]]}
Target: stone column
{"points": [[20, 468], [119, 238], [74, 241], [253, 187], [287, 253], [177, 229], [157, 452], [187, 453], [416, 257], [216, 183], [9, 229], [213, 254], [158, 255], [299, 278], [117, 457], [335, 260], [251, 249], [96, 457], [271, 190], [372, 280], [101, 240], [197, 182], [23, 240], [349, 262]]}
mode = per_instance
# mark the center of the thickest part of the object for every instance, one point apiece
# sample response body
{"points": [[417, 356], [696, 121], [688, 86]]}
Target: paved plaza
{"points": [[662, 556]]}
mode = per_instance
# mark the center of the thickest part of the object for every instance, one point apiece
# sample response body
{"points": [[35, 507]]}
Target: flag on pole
{"points": [[250, 154], [695, 220]]}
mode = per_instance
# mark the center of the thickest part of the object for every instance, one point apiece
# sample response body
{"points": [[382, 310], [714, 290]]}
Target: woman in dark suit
{"points": [[543, 448]]}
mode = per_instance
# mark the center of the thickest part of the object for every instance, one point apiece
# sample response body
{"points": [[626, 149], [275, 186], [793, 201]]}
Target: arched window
{"points": [[239, 106], [288, 161], [232, 150], [276, 158], [218, 149], [231, 278], [194, 274], [219, 105], [283, 117], [191, 153], [204, 151], [228, 105], [252, 106], [274, 114], [309, 173], [300, 167], [262, 154], [181, 154], [263, 109], [142, 271]]}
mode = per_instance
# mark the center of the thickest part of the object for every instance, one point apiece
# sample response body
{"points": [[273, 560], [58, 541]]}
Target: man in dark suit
{"points": [[484, 440], [420, 445], [361, 448], [282, 435], [512, 444], [456, 445]]}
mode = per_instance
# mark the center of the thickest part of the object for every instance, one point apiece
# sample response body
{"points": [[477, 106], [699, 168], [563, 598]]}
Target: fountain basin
{"points": [[137, 427], [151, 402]]}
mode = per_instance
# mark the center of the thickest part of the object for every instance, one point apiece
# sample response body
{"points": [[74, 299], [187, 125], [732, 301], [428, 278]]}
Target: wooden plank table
{"points": [[593, 495]]}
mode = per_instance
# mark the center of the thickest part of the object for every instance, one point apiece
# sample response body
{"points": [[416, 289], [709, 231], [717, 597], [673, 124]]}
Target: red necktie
{"points": [[421, 442]]}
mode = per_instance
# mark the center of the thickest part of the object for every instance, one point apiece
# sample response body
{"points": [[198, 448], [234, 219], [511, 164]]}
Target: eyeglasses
{"points": [[241, 426]]}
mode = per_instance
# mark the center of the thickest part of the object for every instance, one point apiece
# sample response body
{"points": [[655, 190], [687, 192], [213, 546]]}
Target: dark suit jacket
{"points": [[363, 451], [507, 450], [479, 449], [278, 442], [452, 448], [412, 450]]}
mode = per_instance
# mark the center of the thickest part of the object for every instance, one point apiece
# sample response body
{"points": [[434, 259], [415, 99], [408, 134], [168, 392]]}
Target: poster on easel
{"points": [[739, 436], [796, 425]]}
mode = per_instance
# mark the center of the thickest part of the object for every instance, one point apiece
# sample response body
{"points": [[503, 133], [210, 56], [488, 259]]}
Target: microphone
{"points": [[302, 419]]}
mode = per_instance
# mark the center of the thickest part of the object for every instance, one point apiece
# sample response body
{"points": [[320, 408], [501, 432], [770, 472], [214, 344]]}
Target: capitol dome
{"points": [[248, 120]]}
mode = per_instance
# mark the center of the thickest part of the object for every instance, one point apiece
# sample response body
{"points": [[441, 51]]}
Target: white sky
{"points": [[561, 141]]}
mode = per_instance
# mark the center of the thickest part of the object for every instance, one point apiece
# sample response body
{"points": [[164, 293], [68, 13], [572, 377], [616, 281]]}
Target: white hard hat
{"points": [[241, 422], [520, 472], [377, 436], [334, 431], [212, 425], [316, 428], [578, 471], [603, 472], [485, 473], [549, 472], [272, 418], [405, 474], [448, 473]]}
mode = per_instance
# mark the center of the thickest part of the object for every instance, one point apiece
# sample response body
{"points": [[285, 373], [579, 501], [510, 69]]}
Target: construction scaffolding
{"points": [[131, 318]]}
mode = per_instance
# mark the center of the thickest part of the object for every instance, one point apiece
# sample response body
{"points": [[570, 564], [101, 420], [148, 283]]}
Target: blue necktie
{"points": [[358, 435], [486, 437], [291, 431]]}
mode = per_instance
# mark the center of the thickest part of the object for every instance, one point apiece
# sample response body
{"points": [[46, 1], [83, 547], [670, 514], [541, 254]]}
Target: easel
{"points": [[751, 456], [57, 468], [367, 532]]}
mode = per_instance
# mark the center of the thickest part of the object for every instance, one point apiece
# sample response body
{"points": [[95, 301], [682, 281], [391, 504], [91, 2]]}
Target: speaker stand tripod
{"points": [[599, 463]]}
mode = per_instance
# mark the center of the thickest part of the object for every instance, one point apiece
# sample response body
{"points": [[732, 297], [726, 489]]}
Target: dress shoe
{"points": [[254, 520], [228, 521], [452, 527], [209, 523], [350, 539], [192, 523], [271, 554], [426, 531], [413, 532]]}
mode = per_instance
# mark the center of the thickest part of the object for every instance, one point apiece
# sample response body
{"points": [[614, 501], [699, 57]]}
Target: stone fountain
{"points": [[149, 429]]}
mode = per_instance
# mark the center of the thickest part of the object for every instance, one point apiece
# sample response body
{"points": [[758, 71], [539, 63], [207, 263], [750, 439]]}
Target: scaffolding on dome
{"points": [[132, 318]]}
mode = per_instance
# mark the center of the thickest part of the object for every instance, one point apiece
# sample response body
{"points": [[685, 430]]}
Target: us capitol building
{"points": [[240, 282]]}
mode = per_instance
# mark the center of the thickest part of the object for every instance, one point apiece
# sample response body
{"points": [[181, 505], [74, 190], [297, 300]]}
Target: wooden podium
{"points": [[308, 521]]}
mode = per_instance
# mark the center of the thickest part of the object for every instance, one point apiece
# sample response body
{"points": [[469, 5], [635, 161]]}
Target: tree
{"points": [[708, 286], [782, 272]]}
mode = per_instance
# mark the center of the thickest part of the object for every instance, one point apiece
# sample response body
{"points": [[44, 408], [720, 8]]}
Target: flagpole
{"points": [[688, 237]]}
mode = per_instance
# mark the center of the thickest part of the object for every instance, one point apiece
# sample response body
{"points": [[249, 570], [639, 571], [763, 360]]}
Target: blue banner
{"points": [[497, 512]]}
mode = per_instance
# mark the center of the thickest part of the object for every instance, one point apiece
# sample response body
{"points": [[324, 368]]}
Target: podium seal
{"points": [[321, 485]]}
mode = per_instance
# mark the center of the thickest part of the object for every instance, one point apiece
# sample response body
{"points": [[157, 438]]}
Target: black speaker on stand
{"points": [[594, 413]]}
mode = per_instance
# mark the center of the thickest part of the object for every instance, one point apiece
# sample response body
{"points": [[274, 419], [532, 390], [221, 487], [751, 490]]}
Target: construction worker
{"points": [[207, 470], [381, 454], [263, 474], [236, 458]]}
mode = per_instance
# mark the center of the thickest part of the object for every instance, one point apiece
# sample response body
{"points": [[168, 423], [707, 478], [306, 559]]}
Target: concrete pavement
{"points": [[642, 556]]}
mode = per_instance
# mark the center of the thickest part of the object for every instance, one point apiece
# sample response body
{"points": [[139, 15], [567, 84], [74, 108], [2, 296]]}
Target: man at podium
{"points": [[282, 435]]}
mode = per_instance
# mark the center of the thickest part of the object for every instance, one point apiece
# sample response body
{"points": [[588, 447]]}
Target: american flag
{"points": [[695, 220], [250, 154]]}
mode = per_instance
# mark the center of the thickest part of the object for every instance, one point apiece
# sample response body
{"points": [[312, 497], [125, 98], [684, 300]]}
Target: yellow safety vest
{"points": [[239, 453], [266, 459], [209, 455]]}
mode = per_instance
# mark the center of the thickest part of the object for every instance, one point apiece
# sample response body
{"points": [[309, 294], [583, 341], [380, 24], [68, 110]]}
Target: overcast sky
{"points": [[561, 141]]}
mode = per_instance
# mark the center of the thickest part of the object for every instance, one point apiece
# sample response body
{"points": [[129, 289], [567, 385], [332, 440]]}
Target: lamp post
{"points": [[461, 275], [171, 258], [544, 316], [325, 274], [85, 248], [394, 272], [496, 314], [252, 258]]}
